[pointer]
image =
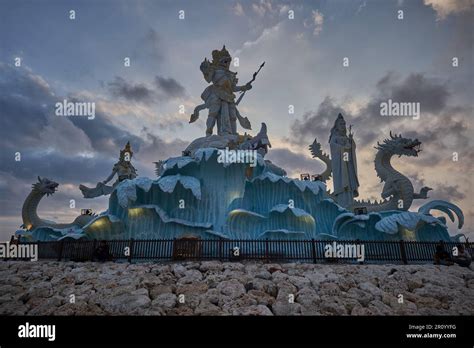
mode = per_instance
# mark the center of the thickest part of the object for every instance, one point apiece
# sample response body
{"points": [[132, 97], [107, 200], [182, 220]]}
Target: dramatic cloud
{"points": [[69, 150], [27, 117], [443, 129], [169, 87], [316, 124], [294, 163], [163, 89], [262, 7], [268, 9], [149, 46], [445, 192], [267, 34], [157, 148], [431, 94], [104, 135], [444, 8], [45, 141], [450, 193], [135, 92], [238, 10]]}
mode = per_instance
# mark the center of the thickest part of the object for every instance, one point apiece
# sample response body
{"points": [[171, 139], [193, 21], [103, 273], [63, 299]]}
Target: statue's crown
{"points": [[126, 149], [218, 55]]}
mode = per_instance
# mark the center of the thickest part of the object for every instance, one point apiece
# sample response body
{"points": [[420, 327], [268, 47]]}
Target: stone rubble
{"points": [[223, 288]]}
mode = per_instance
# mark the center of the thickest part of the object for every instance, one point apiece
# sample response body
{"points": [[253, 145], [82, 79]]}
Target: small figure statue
{"points": [[344, 163], [219, 97], [124, 170]]}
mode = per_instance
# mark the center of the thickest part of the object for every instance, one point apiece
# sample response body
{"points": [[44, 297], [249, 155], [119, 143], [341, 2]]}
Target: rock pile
{"points": [[217, 288]]}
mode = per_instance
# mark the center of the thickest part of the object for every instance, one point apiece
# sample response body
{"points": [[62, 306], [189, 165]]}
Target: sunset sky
{"points": [[407, 59]]}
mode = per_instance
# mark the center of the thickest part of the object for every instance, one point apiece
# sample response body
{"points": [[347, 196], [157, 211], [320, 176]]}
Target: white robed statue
{"points": [[344, 163]]}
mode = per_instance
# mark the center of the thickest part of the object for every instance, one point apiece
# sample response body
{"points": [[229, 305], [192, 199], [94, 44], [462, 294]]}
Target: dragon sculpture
{"points": [[398, 192], [317, 152], [31, 220]]}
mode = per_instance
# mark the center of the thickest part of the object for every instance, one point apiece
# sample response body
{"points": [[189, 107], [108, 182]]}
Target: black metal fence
{"points": [[315, 251]]}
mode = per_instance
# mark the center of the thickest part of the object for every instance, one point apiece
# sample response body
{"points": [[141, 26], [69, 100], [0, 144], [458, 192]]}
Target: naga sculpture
{"points": [[31, 220], [398, 192]]}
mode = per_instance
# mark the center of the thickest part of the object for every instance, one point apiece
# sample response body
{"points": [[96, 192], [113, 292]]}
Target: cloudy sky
{"points": [[407, 59]]}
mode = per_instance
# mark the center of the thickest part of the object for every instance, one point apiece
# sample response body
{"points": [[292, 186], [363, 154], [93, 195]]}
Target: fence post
{"points": [[94, 246], [173, 256], [130, 248], [358, 242], [60, 252], [313, 247], [403, 252], [220, 250], [443, 245], [266, 250]]}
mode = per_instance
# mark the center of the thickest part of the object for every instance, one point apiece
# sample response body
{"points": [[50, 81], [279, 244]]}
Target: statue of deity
{"points": [[219, 97], [344, 163], [124, 170]]}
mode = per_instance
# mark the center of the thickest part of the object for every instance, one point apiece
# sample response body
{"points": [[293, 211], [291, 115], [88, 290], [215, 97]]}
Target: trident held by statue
{"points": [[252, 80]]}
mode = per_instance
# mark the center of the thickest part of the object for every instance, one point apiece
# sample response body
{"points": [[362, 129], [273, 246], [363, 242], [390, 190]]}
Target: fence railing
{"points": [[315, 251]]}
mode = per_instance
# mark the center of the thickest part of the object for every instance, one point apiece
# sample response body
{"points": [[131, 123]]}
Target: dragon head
{"points": [[45, 186], [400, 146]]}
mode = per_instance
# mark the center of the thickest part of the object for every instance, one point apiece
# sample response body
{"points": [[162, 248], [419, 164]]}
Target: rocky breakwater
{"points": [[216, 288]]}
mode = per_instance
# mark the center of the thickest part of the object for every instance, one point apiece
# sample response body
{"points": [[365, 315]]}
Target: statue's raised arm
{"points": [[207, 70]]}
